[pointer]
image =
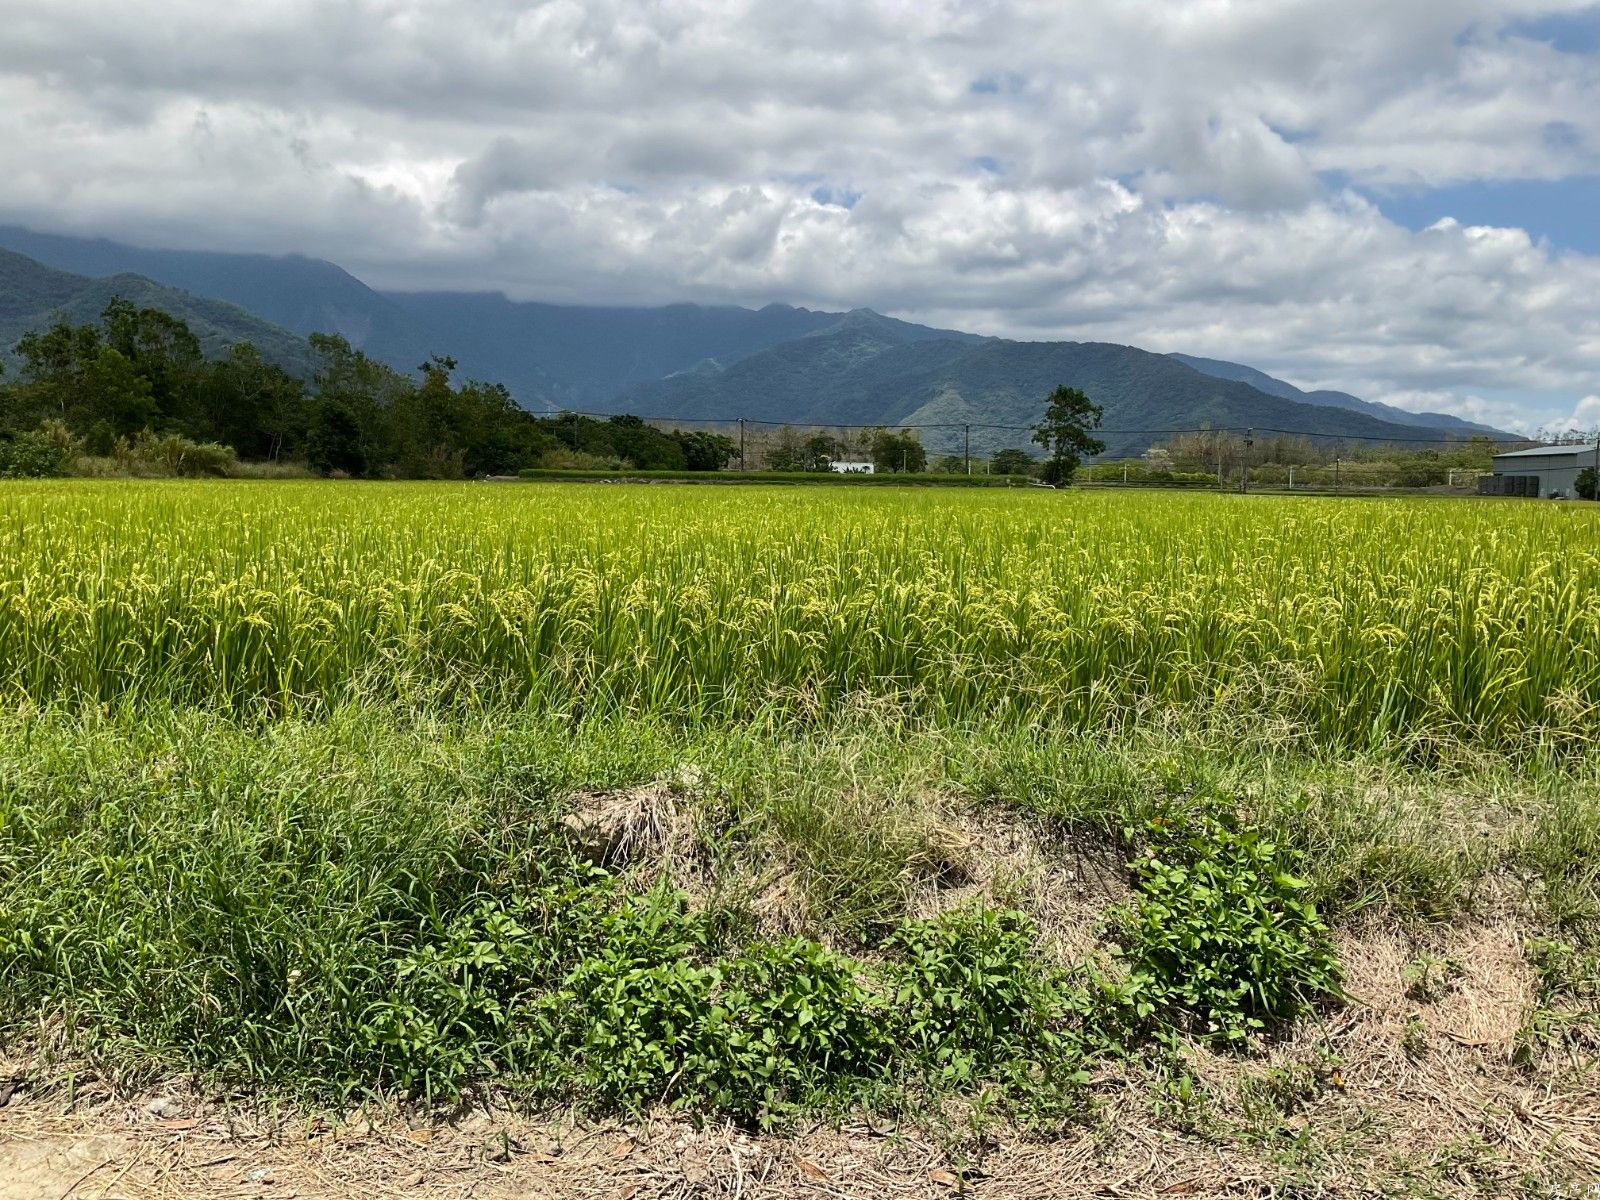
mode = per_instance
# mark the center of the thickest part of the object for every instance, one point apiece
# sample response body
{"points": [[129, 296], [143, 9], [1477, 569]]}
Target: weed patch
{"points": [[1221, 931]]}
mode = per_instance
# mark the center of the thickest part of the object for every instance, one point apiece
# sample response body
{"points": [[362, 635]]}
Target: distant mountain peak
{"points": [[1220, 369], [802, 364]]}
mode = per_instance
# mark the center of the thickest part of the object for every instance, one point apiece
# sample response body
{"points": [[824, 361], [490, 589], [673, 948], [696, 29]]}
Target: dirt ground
{"points": [[1389, 1096]]}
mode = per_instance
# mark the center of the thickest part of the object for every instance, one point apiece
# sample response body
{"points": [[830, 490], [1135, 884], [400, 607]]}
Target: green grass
{"points": [[381, 900]]}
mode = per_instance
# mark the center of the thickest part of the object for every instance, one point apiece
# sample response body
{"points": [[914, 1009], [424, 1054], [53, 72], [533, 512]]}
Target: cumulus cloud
{"points": [[1190, 176], [1584, 417]]}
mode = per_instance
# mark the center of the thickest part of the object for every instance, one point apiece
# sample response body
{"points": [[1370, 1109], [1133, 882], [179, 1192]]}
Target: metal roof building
{"points": [[1547, 471]]}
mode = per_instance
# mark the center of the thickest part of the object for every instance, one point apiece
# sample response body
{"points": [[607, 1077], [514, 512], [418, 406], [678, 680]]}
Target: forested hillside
{"points": [[865, 373], [33, 296], [719, 362]]}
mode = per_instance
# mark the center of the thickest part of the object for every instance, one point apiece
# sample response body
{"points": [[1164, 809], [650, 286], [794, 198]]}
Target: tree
{"points": [[1064, 432], [252, 405], [950, 464], [164, 351], [819, 452], [1011, 462], [1585, 486], [333, 442], [898, 452], [115, 391], [703, 451]]}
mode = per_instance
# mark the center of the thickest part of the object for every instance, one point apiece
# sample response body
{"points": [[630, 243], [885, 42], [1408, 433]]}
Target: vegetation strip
{"points": [[378, 901]]}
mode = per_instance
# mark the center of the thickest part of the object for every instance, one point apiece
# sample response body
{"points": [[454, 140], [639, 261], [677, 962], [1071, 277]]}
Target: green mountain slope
{"points": [[34, 296], [687, 359], [1261, 381], [860, 373], [298, 294], [548, 355]]}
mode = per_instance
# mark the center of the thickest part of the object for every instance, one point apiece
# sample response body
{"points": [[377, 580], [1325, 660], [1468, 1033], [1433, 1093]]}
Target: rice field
{"points": [[1364, 622], [1088, 814]]}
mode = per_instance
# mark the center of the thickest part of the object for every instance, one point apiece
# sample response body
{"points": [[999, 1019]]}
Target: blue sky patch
{"points": [[1002, 83], [838, 197], [1570, 33], [1565, 211]]}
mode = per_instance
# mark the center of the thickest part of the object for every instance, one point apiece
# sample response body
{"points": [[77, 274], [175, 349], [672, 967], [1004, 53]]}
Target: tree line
{"points": [[137, 381], [136, 391]]}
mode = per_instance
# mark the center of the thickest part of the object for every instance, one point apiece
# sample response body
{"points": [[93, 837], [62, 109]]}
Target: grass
{"points": [[286, 902]]}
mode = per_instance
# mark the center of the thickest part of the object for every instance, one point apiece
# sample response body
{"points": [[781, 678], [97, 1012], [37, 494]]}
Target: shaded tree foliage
{"points": [[898, 452], [796, 452], [1011, 462], [140, 370]]}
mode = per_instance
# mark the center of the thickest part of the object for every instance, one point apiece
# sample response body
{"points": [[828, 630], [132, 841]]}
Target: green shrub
{"points": [[632, 1004], [33, 455], [790, 1027], [620, 1000], [172, 454], [1220, 930]]}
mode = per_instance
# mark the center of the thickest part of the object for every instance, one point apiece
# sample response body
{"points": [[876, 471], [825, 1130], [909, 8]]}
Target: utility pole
{"points": [[1597, 464], [1220, 484], [574, 432], [1124, 472], [1244, 469], [967, 431], [1336, 474], [1291, 479], [741, 444]]}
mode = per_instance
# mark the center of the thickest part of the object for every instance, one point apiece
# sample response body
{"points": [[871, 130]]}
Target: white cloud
{"points": [[1584, 418], [1150, 171]]}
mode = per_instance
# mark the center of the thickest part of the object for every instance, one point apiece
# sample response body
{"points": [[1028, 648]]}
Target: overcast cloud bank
{"points": [[1203, 176]]}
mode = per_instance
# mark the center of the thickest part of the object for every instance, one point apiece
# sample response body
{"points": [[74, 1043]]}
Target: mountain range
{"points": [[32, 296], [1263, 382], [778, 363]]}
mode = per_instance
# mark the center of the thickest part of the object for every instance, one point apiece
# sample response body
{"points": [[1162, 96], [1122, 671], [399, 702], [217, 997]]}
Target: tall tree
{"points": [[252, 405], [1069, 415], [703, 451]]}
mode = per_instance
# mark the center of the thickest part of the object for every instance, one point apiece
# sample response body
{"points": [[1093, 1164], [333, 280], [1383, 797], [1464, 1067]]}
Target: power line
{"points": [[1446, 439]]}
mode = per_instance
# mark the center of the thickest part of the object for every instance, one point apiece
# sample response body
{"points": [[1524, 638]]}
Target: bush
{"points": [[171, 454], [33, 455], [790, 1027], [559, 458], [968, 990], [1220, 930]]}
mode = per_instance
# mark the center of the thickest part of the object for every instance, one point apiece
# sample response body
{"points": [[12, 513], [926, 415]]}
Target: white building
{"points": [[1545, 471], [844, 466]]}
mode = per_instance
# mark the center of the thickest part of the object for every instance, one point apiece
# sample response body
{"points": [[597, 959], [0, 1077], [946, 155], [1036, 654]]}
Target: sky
{"points": [[1396, 199]]}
